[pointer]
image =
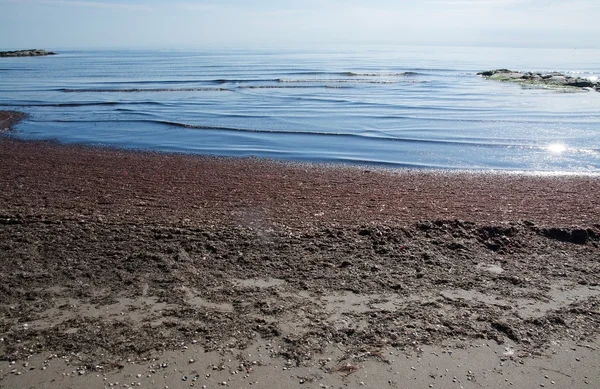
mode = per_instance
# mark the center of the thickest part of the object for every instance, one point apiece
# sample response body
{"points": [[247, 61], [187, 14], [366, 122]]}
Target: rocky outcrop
{"points": [[553, 80], [26, 53]]}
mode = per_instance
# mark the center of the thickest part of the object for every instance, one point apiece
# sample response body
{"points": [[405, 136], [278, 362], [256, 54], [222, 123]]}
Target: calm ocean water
{"points": [[420, 107]]}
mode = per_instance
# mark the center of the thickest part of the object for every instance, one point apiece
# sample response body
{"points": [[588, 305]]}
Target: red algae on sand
{"points": [[121, 182]]}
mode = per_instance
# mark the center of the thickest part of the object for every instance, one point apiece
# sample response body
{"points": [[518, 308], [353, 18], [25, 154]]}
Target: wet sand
{"points": [[253, 272]]}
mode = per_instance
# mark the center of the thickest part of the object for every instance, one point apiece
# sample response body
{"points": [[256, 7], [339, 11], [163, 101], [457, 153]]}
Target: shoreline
{"points": [[223, 188], [310, 163], [218, 188], [248, 266]]}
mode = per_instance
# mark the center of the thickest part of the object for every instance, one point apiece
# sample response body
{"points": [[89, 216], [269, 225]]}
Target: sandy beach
{"points": [[139, 269]]}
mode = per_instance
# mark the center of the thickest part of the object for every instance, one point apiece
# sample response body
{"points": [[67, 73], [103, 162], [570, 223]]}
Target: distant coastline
{"points": [[26, 53]]}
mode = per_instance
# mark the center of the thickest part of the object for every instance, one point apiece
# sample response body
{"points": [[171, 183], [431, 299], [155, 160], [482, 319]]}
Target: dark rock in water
{"points": [[581, 83], [490, 73], [550, 80], [26, 53]]}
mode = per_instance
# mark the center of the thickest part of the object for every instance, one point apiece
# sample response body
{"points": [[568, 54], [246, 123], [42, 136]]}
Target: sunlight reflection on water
{"points": [[557, 148]]}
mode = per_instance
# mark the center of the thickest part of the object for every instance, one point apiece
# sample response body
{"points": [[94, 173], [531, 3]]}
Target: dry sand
{"points": [[179, 271]]}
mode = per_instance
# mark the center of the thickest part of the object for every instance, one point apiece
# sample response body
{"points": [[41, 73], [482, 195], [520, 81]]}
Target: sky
{"points": [[63, 24]]}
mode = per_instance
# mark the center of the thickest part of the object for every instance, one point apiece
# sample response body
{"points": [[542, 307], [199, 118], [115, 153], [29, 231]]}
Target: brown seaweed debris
{"points": [[9, 118]]}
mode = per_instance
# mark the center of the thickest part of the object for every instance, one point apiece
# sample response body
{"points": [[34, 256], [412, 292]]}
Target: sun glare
{"points": [[557, 148]]}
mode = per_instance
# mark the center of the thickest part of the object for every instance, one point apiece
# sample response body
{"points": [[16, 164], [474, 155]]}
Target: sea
{"points": [[399, 107]]}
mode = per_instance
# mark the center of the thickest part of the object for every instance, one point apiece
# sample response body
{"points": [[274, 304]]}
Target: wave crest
{"points": [[136, 90]]}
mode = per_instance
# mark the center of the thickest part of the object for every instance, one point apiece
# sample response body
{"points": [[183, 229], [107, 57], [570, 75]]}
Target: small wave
{"points": [[84, 104], [363, 136], [289, 86], [148, 82], [239, 81], [435, 70], [318, 73], [584, 72], [384, 74], [353, 74], [65, 104], [341, 81], [136, 90], [107, 103], [185, 81], [349, 135], [16, 70], [205, 127]]}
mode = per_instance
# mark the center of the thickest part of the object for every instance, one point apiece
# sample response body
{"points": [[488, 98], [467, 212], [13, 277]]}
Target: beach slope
{"points": [[124, 267]]}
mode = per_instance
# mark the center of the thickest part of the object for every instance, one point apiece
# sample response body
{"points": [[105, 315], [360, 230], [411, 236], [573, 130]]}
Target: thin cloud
{"points": [[238, 7], [524, 4], [474, 2], [87, 4]]}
